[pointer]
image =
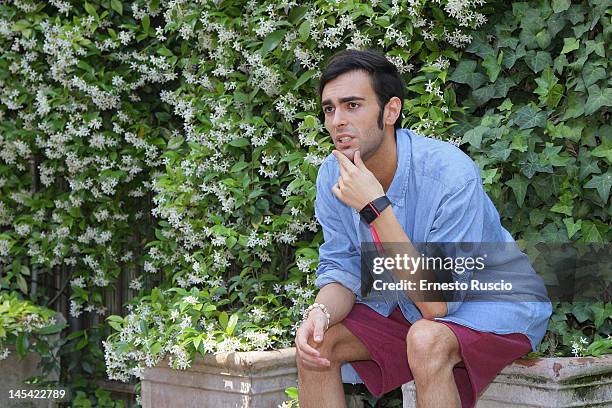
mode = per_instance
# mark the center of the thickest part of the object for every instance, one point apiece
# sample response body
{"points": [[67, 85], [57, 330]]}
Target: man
{"points": [[426, 191]]}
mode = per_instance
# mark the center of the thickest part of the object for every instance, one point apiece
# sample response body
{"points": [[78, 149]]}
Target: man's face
{"points": [[351, 112]]}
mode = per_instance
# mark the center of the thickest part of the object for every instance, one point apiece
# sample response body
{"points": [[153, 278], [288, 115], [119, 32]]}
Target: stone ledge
{"points": [[545, 382], [238, 379]]}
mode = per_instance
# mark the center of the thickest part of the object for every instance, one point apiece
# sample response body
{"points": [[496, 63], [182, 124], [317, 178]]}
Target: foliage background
{"points": [[169, 150]]}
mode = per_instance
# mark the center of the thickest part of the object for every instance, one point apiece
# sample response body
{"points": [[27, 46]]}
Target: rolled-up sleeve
{"points": [[339, 259], [460, 218]]}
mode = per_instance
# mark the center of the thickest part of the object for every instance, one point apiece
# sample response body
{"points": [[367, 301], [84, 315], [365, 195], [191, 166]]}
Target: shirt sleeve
{"points": [[460, 218], [339, 259]]}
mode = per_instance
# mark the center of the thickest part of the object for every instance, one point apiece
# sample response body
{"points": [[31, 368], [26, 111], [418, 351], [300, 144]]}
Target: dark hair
{"points": [[386, 80]]}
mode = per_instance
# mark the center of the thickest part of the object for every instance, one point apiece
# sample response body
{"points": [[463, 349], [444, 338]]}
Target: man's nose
{"points": [[339, 119]]}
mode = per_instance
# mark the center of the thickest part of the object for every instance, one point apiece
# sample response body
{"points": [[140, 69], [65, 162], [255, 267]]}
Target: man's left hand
{"points": [[357, 185]]}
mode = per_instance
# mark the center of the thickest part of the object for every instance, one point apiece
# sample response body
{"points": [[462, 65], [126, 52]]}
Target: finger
{"points": [[318, 332], [336, 191], [344, 161], [302, 345], [315, 362], [358, 162], [339, 156], [340, 183]]}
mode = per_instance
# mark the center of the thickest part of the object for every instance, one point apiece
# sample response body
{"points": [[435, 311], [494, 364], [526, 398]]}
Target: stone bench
{"points": [[545, 382]]}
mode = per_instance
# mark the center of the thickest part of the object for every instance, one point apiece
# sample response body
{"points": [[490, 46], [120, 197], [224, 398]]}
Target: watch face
{"points": [[368, 214]]}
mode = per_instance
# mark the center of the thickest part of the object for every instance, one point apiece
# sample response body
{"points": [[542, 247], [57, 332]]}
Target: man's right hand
{"points": [[309, 336]]}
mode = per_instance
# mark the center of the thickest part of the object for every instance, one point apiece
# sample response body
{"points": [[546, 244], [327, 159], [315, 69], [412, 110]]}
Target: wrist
{"points": [[373, 209], [318, 308]]}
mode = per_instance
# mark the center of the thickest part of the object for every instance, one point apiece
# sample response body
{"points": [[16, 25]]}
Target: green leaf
{"points": [[474, 136], [91, 10], [231, 324], [304, 30], [22, 284], [527, 118], [464, 74], [560, 5], [597, 98], [146, 23], [602, 183], [575, 106], [492, 67], [240, 142], [21, 345], [241, 165], [117, 6], [570, 44], [223, 318], [537, 61], [271, 42], [571, 226], [518, 184], [51, 329], [164, 51], [303, 78], [175, 142], [590, 233], [604, 150]]}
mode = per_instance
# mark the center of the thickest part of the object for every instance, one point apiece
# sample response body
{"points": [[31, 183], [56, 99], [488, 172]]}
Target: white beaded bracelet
{"points": [[323, 309]]}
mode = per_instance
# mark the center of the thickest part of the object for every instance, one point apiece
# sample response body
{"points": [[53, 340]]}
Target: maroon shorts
{"points": [[484, 354]]}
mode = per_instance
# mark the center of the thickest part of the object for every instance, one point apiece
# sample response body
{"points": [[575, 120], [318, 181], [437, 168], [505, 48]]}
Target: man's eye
{"points": [[353, 105], [327, 109]]}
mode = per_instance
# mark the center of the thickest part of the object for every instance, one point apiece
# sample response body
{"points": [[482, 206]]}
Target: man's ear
{"points": [[393, 108]]}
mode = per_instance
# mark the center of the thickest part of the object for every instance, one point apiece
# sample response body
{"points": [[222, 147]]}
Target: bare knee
{"points": [[340, 346], [431, 346], [332, 339]]}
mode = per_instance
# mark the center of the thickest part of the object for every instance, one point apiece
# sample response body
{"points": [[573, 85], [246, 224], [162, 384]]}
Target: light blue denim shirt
{"points": [[437, 196]]}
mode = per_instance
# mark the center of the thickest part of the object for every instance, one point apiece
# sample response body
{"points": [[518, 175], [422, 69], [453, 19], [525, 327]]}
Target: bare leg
{"points": [[433, 351], [321, 387]]}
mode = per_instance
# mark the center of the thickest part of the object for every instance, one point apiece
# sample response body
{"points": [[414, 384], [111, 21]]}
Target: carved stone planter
{"points": [[545, 382], [237, 380]]}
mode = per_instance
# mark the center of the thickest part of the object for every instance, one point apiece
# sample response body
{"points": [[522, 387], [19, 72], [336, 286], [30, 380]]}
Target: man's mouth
{"points": [[344, 139]]}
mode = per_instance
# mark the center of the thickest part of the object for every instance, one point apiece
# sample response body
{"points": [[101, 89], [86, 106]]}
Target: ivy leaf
{"points": [[474, 136], [465, 74], [604, 150], [491, 65], [480, 46], [271, 42], [602, 183], [592, 74], [484, 94], [575, 106], [570, 44], [537, 61], [518, 184], [527, 118], [590, 233], [571, 226], [560, 5], [597, 98]]}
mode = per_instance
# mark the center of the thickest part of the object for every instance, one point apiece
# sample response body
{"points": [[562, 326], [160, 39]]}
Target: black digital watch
{"points": [[373, 209]]}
